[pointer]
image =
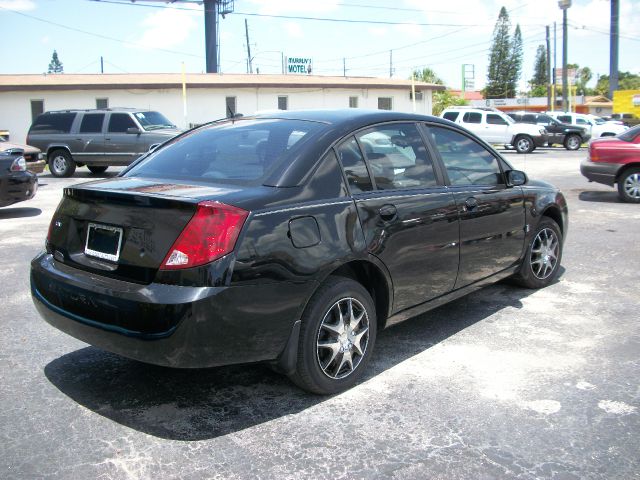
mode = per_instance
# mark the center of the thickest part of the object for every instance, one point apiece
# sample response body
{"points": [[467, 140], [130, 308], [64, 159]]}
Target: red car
{"points": [[616, 160]]}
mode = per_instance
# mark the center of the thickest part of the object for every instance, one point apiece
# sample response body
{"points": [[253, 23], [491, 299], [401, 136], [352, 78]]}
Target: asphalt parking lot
{"points": [[504, 383]]}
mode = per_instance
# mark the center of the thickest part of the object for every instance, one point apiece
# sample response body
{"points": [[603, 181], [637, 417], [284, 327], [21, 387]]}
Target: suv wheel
{"points": [[337, 335], [524, 144], [96, 169], [541, 264], [61, 164], [629, 186], [572, 142]]}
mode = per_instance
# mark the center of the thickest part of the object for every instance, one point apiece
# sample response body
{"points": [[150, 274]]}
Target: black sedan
{"points": [[291, 239], [16, 183]]}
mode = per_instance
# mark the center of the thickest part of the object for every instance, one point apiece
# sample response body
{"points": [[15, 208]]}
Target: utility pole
{"points": [[390, 63], [548, 70], [246, 31], [564, 5], [101, 65], [614, 41], [344, 67], [555, 67], [211, 34]]}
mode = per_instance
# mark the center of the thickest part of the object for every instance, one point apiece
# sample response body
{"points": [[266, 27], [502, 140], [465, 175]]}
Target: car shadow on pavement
{"points": [[600, 197], [19, 212], [201, 404]]}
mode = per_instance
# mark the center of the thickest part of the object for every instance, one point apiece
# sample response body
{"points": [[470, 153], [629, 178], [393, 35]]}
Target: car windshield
{"points": [[153, 120], [243, 152], [508, 119], [631, 134]]}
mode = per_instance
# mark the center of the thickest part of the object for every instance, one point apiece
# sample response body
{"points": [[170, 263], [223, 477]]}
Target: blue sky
{"points": [[135, 38]]}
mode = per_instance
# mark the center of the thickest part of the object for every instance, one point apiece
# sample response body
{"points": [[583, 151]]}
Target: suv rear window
{"points": [[243, 152], [92, 123], [53, 123]]}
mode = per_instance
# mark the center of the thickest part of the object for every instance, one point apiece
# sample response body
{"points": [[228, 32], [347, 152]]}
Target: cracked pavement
{"points": [[503, 383]]}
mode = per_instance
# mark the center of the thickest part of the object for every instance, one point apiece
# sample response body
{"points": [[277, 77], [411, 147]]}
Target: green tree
{"points": [[499, 65], [584, 75], [427, 75], [626, 81], [444, 99], [515, 63], [539, 78], [55, 65]]}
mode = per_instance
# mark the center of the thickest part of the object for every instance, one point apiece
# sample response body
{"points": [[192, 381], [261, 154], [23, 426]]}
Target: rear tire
{"points": [[572, 142], [61, 163], [541, 264], [629, 186], [96, 170], [524, 144], [337, 336]]}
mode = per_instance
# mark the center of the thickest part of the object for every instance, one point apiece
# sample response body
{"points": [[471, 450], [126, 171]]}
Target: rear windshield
{"points": [[630, 135], [153, 120], [243, 152]]}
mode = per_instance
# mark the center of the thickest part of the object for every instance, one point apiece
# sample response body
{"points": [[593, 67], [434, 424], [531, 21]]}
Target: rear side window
{"points": [[472, 117], [243, 152], [451, 116], [120, 122], [397, 157], [466, 161], [494, 119], [354, 167], [53, 123], [565, 118], [92, 123]]}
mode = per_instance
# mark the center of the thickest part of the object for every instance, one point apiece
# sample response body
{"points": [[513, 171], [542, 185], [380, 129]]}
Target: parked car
{"points": [[496, 127], [291, 239], [569, 136], [16, 183], [97, 138], [616, 160], [596, 126], [628, 119], [32, 155]]}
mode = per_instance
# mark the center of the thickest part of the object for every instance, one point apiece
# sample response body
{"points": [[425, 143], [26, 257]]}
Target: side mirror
{"points": [[515, 178], [133, 130]]}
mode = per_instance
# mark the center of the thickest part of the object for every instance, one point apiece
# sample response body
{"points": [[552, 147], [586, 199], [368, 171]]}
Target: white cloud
{"points": [[378, 31], [291, 7], [20, 5], [45, 40], [169, 27], [411, 31], [293, 29]]}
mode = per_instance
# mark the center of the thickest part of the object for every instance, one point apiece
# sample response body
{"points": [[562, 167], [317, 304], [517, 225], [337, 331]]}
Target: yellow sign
{"points": [[626, 101]]}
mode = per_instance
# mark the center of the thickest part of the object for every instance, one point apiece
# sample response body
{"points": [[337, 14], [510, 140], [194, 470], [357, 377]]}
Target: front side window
{"points": [[120, 122], [353, 165], [466, 161], [472, 117], [397, 157], [92, 123], [494, 119], [564, 118], [243, 152]]}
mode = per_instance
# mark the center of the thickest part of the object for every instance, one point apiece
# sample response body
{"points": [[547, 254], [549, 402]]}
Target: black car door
{"points": [[408, 216], [492, 215]]}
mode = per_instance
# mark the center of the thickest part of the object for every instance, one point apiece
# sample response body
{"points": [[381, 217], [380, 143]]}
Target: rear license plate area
{"points": [[103, 241]]}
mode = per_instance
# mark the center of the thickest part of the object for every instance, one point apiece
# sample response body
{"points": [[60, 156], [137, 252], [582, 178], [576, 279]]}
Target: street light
{"points": [[564, 6]]}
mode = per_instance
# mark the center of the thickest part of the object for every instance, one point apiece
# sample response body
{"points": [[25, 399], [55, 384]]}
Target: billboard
{"points": [[299, 65]]}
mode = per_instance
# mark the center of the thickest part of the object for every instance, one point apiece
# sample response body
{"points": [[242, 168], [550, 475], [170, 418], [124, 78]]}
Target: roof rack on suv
{"points": [[471, 107], [109, 109]]}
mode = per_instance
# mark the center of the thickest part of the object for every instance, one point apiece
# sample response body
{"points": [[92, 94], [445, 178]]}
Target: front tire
{"points": [[572, 142], [61, 163], [629, 186], [338, 332], [541, 264], [524, 144]]}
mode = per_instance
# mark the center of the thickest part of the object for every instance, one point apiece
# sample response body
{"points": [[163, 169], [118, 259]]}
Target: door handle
{"points": [[388, 212], [471, 203]]}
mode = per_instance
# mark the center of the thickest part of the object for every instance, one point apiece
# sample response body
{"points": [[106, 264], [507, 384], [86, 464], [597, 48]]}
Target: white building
{"points": [[207, 96]]}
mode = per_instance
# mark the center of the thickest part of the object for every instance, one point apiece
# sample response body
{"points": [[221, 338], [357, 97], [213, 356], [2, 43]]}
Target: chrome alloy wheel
{"points": [[59, 164], [632, 185], [544, 253], [342, 338], [573, 142]]}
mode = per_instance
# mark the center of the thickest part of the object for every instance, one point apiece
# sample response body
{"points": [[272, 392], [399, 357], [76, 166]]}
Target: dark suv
{"points": [[97, 138], [569, 136]]}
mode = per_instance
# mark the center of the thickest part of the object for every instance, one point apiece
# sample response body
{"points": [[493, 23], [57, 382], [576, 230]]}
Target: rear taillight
{"points": [[210, 234], [19, 165]]}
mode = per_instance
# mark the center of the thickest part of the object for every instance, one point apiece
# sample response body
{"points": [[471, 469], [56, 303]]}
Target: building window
{"points": [[102, 103], [385, 103], [37, 108], [418, 96], [230, 108], [283, 102], [353, 102]]}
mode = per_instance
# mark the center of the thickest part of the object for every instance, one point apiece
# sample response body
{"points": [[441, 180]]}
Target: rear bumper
{"points": [[17, 187], [600, 172], [175, 326]]}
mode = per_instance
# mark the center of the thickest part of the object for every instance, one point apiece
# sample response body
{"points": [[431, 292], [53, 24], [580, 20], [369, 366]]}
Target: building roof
{"points": [[114, 81], [598, 101], [468, 94]]}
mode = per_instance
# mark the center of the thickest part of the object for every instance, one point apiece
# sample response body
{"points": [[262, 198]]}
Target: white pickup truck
{"points": [[598, 126], [494, 126]]}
